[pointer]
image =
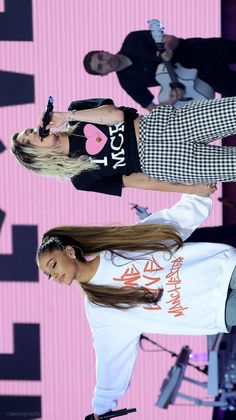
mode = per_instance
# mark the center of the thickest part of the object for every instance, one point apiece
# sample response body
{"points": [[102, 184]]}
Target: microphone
{"points": [[46, 118], [112, 414]]}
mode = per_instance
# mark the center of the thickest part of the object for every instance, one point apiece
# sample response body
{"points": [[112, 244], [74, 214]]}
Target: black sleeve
{"points": [[89, 103], [129, 113], [140, 94], [141, 41], [107, 185], [139, 44]]}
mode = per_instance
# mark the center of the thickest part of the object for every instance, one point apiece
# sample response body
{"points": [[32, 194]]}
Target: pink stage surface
{"points": [[63, 31]]}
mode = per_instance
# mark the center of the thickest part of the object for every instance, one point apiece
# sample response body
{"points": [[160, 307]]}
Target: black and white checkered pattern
{"points": [[174, 142]]}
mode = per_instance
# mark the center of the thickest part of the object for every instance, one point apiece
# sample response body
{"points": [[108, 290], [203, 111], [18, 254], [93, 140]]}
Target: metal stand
{"points": [[170, 386]]}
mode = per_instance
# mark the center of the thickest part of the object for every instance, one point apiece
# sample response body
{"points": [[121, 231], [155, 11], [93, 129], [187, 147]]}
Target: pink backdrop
{"points": [[64, 30]]}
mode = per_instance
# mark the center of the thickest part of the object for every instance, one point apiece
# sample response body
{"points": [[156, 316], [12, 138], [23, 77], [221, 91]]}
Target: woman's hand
{"points": [[167, 54], [57, 120], [96, 417], [205, 190], [141, 180]]}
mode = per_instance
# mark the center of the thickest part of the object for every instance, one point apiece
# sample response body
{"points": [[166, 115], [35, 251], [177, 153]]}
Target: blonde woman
{"points": [[143, 278], [108, 148]]}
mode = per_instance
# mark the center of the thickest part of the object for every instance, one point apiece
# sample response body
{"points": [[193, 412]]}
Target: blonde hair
{"points": [[48, 161], [93, 239]]}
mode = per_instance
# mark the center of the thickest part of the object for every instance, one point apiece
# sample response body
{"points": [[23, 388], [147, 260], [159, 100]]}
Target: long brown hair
{"points": [[86, 240]]}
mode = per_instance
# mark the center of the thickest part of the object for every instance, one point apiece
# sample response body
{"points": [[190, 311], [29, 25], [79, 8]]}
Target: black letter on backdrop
{"points": [[2, 148], [2, 217], [16, 21], [14, 407], [20, 265], [16, 24], [16, 88], [24, 363]]}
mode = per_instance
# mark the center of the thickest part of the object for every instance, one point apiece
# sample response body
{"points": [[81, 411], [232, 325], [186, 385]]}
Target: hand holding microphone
{"points": [[43, 132]]}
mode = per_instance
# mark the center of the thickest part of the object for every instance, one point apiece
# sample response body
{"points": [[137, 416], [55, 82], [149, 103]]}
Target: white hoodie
{"points": [[195, 283]]}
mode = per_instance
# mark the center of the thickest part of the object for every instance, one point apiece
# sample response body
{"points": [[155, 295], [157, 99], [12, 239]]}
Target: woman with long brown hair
{"points": [[143, 278]]}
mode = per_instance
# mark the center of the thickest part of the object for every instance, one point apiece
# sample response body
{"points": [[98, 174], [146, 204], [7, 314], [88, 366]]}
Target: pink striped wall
{"points": [[63, 32]]}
